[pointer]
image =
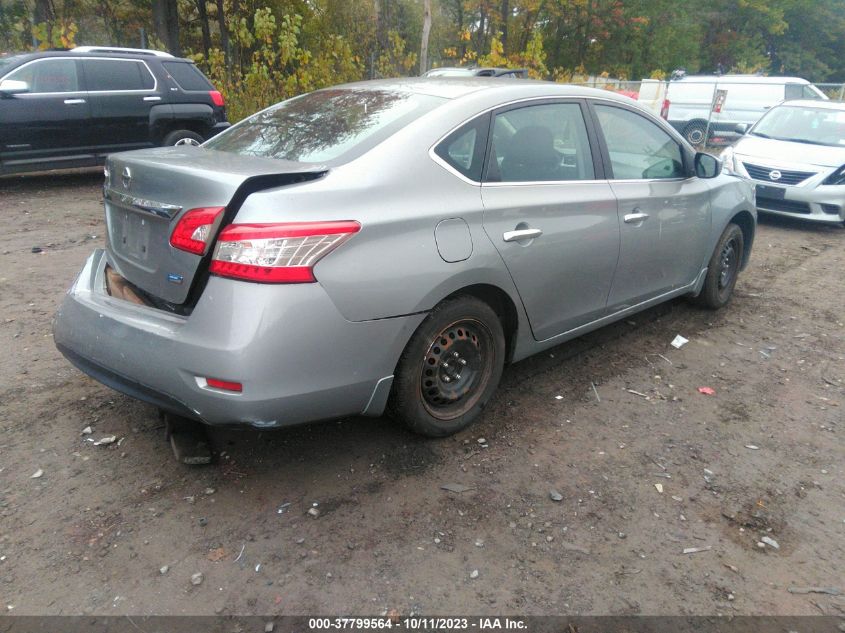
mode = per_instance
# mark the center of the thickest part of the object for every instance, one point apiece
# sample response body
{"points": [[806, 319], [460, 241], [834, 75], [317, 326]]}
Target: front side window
{"points": [[116, 74], [540, 143], [464, 148], [48, 75], [326, 125], [638, 148]]}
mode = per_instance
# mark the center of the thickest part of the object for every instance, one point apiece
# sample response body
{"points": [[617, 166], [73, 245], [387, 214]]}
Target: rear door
{"points": [[664, 212], [121, 92], [48, 121], [550, 213]]}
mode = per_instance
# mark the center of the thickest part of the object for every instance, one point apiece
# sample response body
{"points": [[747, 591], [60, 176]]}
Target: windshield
{"points": [[326, 125], [802, 124], [6, 62], [450, 72]]}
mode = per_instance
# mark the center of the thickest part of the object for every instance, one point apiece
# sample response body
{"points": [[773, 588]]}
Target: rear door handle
{"points": [[74, 101], [633, 218], [152, 98], [521, 234]]}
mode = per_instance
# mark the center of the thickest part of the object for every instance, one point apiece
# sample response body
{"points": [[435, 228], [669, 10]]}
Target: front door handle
{"points": [[74, 101], [521, 234], [633, 218]]}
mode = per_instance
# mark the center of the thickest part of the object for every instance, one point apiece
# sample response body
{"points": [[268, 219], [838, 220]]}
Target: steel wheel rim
{"points": [[456, 369], [187, 141], [727, 264]]}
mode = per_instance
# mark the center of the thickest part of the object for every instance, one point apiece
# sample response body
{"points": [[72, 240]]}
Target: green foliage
{"points": [[279, 67], [260, 51]]}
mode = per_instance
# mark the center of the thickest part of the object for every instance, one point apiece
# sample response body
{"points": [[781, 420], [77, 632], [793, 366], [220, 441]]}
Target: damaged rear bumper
{"points": [[297, 358]]}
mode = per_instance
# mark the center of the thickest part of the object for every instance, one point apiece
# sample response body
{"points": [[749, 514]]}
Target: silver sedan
{"points": [[795, 155], [391, 246]]}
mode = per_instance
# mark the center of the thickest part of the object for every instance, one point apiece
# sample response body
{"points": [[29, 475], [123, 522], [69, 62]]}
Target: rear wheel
{"points": [[450, 368], [723, 269], [182, 137]]}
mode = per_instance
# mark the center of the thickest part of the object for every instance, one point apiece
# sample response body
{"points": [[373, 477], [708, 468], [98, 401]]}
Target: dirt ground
{"points": [[121, 528]]}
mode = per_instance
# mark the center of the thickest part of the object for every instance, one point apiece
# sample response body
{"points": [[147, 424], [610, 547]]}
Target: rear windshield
{"points": [[326, 125], [187, 76]]}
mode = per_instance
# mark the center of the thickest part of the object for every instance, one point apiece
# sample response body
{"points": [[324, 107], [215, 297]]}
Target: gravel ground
{"points": [[652, 468]]}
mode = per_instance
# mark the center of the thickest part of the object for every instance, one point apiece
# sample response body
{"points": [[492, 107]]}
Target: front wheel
{"points": [[723, 269], [450, 368]]}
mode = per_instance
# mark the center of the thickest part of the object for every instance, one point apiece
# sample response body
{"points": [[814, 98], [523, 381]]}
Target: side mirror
{"points": [[741, 128], [707, 165], [9, 87]]}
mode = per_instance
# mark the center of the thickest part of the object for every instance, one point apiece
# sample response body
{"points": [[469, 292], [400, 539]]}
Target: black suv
{"points": [[71, 108]]}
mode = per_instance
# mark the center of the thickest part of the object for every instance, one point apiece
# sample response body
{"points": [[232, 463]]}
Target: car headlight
{"points": [[729, 160], [836, 178]]}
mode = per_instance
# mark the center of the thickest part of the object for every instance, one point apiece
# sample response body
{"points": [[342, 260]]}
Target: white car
{"points": [[795, 155], [686, 102]]}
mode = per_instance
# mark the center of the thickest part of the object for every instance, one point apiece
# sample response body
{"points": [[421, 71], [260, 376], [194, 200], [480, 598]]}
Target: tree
{"points": [[166, 24], [426, 33]]}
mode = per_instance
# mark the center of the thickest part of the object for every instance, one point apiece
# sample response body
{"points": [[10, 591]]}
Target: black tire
{"points": [[182, 137], [723, 269], [435, 398], [695, 133]]}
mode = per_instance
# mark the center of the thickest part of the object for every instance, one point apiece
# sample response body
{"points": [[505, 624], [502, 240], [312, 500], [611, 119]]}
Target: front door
{"points": [[50, 120], [664, 212], [550, 213]]}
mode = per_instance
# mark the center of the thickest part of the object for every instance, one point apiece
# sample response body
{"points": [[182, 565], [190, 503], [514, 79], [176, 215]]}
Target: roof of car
{"points": [[105, 52], [741, 79], [815, 103], [457, 87]]}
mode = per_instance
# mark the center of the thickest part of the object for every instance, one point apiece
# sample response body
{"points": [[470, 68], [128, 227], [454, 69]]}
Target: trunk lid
{"points": [[148, 191]]}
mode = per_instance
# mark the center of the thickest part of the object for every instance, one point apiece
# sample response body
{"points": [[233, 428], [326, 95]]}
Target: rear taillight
{"points": [[194, 230], [216, 98], [664, 110], [277, 253]]}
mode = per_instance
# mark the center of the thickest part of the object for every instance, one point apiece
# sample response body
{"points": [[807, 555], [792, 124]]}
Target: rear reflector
{"points": [[224, 385], [277, 253], [216, 98], [194, 230]]}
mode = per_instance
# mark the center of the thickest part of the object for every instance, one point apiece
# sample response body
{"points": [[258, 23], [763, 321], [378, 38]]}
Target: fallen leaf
{"points": [[707, 391], [217, 554], [456, 487]]}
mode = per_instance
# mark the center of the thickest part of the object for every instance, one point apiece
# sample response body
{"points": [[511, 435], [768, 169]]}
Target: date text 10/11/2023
{"points": [[417, 624]]}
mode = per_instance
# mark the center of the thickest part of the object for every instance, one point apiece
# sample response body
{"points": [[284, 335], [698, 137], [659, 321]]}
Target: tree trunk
{"points": [[44, 13], [206, 29], [426, 32], [224, 36], [166, 25], [506, 11]]}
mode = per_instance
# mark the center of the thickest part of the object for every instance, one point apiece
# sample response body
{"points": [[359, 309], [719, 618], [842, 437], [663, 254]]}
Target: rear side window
{"points": [[540, 143], [638, 148], [464, 148], [800, 91], [326, 125], [117, 74], [187, 76], [48, 75]]}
